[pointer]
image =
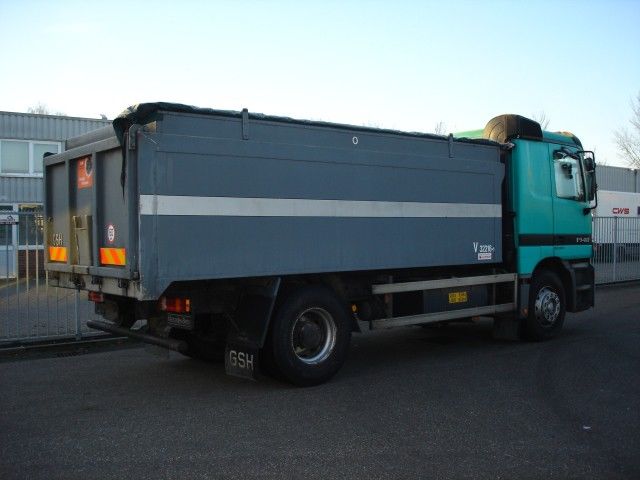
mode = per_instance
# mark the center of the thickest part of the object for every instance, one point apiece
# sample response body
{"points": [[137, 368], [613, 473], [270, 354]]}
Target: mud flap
{"points": [[248, 329], [241, 361]]}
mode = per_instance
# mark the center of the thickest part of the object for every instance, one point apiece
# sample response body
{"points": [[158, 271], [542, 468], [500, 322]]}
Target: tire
{"points": [[309, 337], [547, 307]]}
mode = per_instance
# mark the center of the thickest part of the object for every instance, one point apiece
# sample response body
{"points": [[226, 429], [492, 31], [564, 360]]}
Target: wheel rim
{"points": [[547, 306], [313, 336]]}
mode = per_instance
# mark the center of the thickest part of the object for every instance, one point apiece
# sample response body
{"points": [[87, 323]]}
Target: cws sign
{"points": [[620, 210], [618, 204]]}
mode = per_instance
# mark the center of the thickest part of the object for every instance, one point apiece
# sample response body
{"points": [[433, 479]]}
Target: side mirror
{"points": [[589, 165], [589, 160]]}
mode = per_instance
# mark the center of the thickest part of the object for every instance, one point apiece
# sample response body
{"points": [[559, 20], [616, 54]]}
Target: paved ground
{"points": [[447, 403]]}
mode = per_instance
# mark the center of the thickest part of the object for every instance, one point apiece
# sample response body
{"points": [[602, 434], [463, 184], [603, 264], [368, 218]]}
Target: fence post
{"points": [[77, 314], [615, 248]]}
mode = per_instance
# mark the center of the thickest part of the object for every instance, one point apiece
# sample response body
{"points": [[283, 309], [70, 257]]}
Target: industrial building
{"points": [[618, 179], [24, 138]]}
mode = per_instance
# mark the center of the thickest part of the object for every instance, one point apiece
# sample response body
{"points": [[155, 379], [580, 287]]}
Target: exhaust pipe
{"points": [[170, 343]]}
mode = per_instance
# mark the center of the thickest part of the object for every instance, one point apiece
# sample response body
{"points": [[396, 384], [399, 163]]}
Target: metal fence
{"points": [[616, 249], [30, 310]]}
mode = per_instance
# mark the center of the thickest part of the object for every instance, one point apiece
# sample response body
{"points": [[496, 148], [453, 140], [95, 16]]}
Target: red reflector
{"points": [[97, 297], [175, 305]]}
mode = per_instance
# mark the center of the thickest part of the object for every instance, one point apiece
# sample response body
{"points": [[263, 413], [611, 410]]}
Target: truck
{"points": [[616, 235], [267, 241]]}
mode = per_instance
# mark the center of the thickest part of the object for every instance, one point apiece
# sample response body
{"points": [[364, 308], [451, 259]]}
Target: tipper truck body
{"points": [[267, 240]]}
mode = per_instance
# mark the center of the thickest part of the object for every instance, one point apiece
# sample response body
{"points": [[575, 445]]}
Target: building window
{"points": [[39, 149], [15, 157], [18, 157]]}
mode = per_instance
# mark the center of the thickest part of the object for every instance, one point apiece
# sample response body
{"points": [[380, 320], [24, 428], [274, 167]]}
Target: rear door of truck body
{"points": [[91, 213]]}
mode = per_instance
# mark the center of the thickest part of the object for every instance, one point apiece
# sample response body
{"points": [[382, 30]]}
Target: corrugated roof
{"points": [[30, 126]]}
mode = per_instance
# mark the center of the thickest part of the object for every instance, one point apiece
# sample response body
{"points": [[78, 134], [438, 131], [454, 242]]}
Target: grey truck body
{"points": [[195, 194]]}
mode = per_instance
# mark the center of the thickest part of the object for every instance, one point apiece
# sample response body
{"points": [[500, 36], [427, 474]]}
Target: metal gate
{"points": [[30, 310], [616, 249]]}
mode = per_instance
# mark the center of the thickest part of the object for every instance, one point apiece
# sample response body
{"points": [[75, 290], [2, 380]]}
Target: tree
{"points": [[628, 141], [42, 109], [440, 128], [39, 108], [542, 119]]}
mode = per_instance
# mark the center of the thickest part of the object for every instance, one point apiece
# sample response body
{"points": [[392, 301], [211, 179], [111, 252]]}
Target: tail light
{"points": [[175, 305], [97, 297]]}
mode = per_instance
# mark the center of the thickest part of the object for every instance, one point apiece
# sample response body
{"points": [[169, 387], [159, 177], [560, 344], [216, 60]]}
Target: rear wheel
{"points": [[309, 336], [547, 307]]}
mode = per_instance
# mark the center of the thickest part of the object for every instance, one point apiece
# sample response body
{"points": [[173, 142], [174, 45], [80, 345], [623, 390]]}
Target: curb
{"points": [[65, 348]]}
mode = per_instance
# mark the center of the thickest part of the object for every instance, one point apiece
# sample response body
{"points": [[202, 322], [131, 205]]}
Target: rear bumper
{"points": [[77, 280]]}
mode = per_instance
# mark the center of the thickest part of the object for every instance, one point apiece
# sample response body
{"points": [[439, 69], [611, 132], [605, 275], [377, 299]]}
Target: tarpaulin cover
{"points": [[143, 113]]}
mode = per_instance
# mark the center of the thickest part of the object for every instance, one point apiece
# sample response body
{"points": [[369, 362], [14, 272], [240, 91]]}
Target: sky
{"points": [[405, 65]]}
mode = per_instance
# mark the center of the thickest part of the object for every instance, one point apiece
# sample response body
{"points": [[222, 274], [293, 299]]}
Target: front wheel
{"points": [[309, 336], [547, 307]]}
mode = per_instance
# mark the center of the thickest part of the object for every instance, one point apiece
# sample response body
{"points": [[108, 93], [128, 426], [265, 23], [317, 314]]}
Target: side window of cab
{"points": [[568, 174]]}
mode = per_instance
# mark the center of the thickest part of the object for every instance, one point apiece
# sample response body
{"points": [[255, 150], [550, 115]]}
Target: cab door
{"points": [[572, 227]]}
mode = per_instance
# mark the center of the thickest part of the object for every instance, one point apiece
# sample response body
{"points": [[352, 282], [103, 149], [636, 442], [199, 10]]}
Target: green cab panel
{"points": [[547, 197]]}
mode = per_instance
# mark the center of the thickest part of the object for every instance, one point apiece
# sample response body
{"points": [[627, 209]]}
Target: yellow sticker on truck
{"points": [[458, 297]]}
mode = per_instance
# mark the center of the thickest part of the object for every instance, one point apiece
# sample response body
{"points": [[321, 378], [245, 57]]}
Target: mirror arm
{"points": [[588, 210]]}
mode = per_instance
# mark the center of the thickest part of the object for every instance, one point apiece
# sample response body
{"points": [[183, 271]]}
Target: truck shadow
{"points": [[380, 354], [440, 347]]}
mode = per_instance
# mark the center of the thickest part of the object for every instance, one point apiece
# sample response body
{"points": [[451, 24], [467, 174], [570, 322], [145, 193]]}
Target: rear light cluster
{"points": [[175, 305], [97, 297]]}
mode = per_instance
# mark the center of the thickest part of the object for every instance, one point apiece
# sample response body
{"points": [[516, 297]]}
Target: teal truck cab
{"points": [[549, 193]]}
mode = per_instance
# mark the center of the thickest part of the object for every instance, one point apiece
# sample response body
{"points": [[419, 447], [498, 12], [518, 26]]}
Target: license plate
{"points": [[185, 322], [458, 297], [241, 362]]}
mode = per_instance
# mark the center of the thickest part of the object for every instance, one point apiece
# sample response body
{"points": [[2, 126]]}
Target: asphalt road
{"points": [[409, 403]]}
